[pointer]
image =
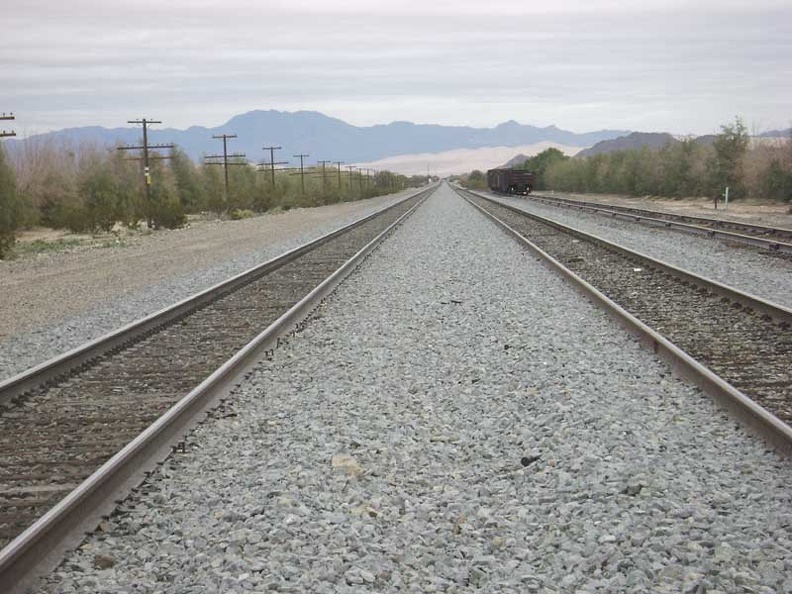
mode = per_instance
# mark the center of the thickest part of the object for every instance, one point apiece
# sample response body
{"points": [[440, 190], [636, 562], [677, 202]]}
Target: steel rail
{"points": [[774, 310], [695, 225], [39, 548], [62, 364], [753, 416], [698, 220]]}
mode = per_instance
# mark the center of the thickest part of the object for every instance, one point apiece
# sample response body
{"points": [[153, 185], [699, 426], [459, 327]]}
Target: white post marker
{"points": [[726, 196]]}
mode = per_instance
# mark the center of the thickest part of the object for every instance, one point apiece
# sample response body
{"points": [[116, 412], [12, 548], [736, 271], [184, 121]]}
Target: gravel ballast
{"points": [[61, 300], [454, 418], [745, 268]]}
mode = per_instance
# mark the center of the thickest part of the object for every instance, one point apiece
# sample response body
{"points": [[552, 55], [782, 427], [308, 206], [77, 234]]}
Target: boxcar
{"points": [[510, 181]]}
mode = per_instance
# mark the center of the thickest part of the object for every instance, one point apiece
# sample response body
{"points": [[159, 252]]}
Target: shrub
{"points": [[9, 206], [540, 163], [239, 214], [476, 180], [99, 210], [166, 209], [726, 165]]}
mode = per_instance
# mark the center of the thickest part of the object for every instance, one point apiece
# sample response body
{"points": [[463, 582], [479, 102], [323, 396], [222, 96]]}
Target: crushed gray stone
{"points": [[381, 450], [745, 268]]}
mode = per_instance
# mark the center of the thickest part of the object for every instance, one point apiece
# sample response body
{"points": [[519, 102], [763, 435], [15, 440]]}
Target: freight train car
{"points": [[510, 181]]}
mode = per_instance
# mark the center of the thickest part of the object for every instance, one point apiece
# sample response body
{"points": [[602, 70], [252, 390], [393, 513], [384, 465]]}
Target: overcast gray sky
{"points": [[650, 65]]}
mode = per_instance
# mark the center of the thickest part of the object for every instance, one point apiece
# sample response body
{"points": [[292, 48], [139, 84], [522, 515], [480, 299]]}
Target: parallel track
{"points": [[56, 433], [743, 340], [774, 239]]}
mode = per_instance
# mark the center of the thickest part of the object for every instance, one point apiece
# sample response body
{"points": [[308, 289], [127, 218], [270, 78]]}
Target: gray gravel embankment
{"points": [[455, 419], [62, 300], [746, 269]]}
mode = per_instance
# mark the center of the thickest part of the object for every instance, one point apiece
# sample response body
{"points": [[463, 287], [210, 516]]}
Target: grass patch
{"points": [[113, 243], [65, 244], [240, 213], [39, 246]]}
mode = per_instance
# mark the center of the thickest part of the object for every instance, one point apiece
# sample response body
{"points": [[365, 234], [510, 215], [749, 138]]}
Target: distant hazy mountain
{"points": [[656, 141], [323, 137], [636, 140], [515, 161], [777, 134], [462, 160]]}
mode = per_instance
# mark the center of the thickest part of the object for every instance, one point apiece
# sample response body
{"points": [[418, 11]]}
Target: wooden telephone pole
{"points": [[146, 158], [302, 170], [212, 159], [5, 116], [338, 164], [272, 162], [324, 174]]}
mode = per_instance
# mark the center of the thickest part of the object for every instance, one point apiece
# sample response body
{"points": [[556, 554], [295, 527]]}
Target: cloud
{"points": [[657, 65]]}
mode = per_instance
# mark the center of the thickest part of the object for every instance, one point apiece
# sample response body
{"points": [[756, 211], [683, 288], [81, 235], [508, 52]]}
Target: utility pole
{"points": [[146, 158], [3, 133], [302, 171], [272, 162], [324, 174], [350, 169], [339, 163], [225, 156]]}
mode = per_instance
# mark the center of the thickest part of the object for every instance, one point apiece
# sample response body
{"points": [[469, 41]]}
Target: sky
{"points": [[685, 67]]}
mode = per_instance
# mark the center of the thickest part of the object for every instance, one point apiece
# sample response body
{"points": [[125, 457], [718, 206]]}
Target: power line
{"points": [[225, 156], [3, 133], [339, 163], [146, 147], [324, 174], [272, 161], [302, 170], [360, 176]]}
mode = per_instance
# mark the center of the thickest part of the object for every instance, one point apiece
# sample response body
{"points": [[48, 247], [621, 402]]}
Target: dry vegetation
{"points": [[759, 170], [88, 189]]}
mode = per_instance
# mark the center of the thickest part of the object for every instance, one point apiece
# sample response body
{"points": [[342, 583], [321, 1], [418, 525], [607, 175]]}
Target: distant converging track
{"points": [[747, 348], [777, 240], [57, 434]]}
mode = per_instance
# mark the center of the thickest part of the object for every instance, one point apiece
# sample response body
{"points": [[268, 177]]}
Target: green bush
{"points": [[9, 207], [189, 183], [475, 180], [540, 163], [165, 209], [686, 168], [239, 214], [776, 182], [87, 189], [727, 160], [99, 210]]}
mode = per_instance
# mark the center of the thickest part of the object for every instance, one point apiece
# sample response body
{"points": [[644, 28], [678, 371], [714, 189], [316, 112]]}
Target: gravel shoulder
{"points": [[56, 301], [744, 211], [455, 418]]}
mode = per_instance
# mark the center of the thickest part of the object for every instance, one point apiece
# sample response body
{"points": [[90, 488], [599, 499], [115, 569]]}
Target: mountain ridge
{"points": [[322, 136], [632, 141]]}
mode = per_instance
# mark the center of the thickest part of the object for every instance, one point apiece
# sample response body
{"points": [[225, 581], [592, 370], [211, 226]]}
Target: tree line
{"points": [[91, 190], [686, 168]]}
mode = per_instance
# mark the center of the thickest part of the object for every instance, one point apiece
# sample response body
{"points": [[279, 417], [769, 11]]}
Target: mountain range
{"points": [[322, 137], [658, 140], [777, 134], [635, 140]]}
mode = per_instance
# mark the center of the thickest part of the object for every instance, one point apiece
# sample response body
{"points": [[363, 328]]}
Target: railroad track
{"points": [[774, 239], [744, 341], [99, 406]]}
